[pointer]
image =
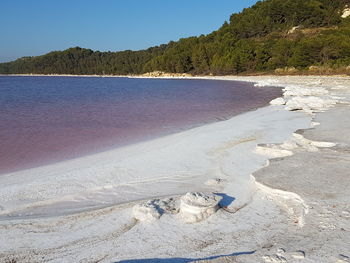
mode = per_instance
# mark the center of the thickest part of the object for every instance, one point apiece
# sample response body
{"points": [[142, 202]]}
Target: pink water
{"points": [[49, 119]]}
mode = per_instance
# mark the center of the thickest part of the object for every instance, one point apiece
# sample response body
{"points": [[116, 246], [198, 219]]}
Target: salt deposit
{"points": [[146, 212], [273, 152], [278, 101], [291, 202], [309, 144], [268, 82], [297, 141], [197, 206], [309, 104], [300, 91], [81, 208]]}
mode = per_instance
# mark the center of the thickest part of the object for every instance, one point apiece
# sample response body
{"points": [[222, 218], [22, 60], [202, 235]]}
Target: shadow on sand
{"points": [[181, 260]]}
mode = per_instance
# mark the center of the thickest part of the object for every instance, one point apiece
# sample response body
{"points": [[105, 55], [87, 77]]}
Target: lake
{"points": [[50, 119]]}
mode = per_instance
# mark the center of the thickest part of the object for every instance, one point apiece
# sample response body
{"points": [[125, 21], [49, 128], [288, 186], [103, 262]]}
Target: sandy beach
{"points": [[272, 186]]}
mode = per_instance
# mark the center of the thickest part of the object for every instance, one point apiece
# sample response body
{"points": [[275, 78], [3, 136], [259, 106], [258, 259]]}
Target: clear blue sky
{"points": [[35, 27]]}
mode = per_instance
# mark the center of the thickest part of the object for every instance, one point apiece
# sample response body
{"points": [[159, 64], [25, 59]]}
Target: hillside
{"points": [[273, 35]]}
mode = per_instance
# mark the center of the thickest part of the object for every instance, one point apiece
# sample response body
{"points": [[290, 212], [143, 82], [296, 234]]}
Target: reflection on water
{"points": [[50, 119]]}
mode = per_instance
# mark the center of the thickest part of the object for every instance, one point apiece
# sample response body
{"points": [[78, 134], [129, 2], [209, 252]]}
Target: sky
{"points": [[36, 27]]}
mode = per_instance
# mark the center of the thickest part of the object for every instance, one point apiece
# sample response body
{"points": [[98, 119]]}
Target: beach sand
{"points": [[283, 181]]}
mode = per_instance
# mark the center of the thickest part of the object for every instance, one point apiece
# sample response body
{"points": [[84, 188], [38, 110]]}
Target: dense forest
{"points": [[271, 36]]}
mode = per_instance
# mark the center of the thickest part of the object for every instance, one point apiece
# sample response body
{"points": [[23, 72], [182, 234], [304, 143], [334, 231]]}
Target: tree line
{"points": [[271, 34]]}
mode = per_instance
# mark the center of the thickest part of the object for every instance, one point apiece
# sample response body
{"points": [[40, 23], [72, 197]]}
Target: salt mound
{"points": [[196, 206], [278, 101], [309, 104], [301, 91], [146, 212], [264, 83]]}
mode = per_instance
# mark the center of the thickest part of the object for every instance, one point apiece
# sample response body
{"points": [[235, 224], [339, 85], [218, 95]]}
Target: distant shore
{"points": [[62, 75], [180, 75]]}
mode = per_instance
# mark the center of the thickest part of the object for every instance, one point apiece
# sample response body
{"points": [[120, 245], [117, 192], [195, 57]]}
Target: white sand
{"points": [[84, 209]]}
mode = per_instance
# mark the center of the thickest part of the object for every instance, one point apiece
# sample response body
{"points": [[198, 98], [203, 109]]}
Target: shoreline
{"points": [[222, 158], [181, 76]]}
